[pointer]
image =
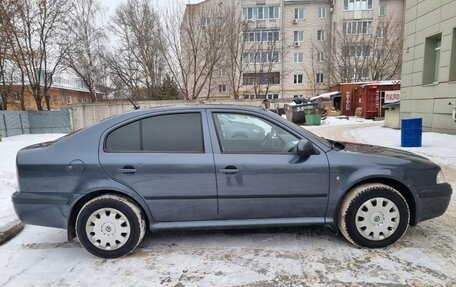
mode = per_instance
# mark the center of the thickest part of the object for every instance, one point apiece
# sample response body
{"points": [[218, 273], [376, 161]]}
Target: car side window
{"points": [[243, 133], [164, 133], [126, 138]]}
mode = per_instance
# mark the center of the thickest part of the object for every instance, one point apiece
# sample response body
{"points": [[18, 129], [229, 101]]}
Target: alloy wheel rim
{"points": [[108, 229], [377, 218]]}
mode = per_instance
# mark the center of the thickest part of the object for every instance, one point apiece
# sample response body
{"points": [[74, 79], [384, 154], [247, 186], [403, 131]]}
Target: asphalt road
{"points": [[425, 256]]}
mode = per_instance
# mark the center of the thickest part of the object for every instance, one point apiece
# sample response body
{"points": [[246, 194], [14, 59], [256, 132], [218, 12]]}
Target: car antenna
{"points": [[134, 106]]}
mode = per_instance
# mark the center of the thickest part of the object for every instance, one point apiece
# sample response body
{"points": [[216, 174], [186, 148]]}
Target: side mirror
{"points": [[305, 148]]}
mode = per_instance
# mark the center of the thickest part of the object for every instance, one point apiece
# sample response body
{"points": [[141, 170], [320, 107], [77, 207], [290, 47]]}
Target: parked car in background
{"points": [[184, 167]]}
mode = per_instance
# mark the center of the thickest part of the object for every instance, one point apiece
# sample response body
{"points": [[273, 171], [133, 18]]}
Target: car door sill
{"points": [[238, 223]]}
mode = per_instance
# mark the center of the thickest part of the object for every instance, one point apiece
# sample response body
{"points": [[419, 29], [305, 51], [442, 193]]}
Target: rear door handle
{"points": [[229, 170], [127, 169]]}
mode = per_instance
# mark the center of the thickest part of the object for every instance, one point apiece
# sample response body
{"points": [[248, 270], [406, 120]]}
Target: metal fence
{"points": [[14, 123]]}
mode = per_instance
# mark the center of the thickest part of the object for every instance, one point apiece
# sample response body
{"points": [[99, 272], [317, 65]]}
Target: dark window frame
{"points": [[140, 119]]}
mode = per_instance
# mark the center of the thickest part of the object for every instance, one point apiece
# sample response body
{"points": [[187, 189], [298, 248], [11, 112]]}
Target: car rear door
{"points": [[266, 180], [167, 159]]}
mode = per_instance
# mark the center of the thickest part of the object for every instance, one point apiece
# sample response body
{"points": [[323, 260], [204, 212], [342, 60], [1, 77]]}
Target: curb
{"points": [[10, 230]]}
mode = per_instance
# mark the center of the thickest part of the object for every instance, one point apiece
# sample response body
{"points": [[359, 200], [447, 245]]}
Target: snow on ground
{"points": [[299, 256], [341, 121], [8, 184], [441, 148]]}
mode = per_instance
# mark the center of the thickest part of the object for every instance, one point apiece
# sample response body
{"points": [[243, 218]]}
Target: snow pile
{"points": [[8, 184], [343, 120], [439, 147]]}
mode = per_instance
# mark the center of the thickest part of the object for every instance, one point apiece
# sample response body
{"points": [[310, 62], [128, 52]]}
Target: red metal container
{"points": [[368, 96], [350, 101]]}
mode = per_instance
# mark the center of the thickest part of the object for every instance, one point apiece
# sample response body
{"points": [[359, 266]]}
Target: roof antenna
{"points": [[134, 106]]}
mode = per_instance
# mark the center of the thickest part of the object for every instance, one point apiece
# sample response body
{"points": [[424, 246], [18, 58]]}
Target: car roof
{"points": [[196, 107]]}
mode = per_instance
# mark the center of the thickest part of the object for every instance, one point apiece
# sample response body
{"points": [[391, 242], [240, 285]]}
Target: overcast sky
{"points": [[111, 5]]}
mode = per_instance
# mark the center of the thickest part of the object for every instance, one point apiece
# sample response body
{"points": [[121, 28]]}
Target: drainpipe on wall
{"points": [[454, 110]]}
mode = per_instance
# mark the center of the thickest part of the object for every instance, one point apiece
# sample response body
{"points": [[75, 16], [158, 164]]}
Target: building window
{"points": [[16, 97], [261, 36], [298, 79], [321, 35], [222, 88], [357, 27], [298, 36], [321, 12], [356, 51], [320, 78], [356, 5], [381, 31], [260, 57], [380, 54], [453, 58], [205, 21], [261, 78], [356, 74], [299, 13], [273, 96], [298, 57], [261, 13], [432, 59], [320, 56], [382, 10], [222, 72], [297, 96]]}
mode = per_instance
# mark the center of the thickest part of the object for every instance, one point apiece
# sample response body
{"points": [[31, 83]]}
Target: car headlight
{"points": [[441, 177]]}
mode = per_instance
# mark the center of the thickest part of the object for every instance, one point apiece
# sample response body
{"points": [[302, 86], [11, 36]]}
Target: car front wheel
{"points": [[373, 215], [110, 226]]}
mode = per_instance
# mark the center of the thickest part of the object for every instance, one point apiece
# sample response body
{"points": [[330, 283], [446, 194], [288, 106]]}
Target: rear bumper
{"points": [[432, 201], [44, 209]]}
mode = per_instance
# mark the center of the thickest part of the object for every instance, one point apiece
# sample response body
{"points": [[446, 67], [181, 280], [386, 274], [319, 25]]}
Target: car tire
{"points": [[110, 226], [373, 215]]}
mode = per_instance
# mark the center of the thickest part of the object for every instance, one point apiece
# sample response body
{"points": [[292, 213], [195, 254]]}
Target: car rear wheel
{"points": [[110, 226], [373, 215]]}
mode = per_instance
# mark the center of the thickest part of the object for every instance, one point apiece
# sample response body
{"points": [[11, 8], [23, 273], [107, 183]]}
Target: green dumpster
{"points": [[313, 116]]}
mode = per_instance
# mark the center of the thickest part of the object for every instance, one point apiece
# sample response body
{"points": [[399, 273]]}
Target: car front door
{"points": [[261, 175], [167, 159]]}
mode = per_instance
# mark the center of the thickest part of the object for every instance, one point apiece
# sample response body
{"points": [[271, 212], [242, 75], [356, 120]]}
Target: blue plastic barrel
{"points": [[411, 132]]}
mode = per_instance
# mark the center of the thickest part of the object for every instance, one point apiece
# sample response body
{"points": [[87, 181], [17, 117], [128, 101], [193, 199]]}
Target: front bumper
{"points": [[44, 209], [432, 201]]}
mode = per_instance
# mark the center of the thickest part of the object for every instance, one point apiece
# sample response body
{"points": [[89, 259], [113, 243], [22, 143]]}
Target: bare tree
{"points": [[36, 28], [193, 54], [87, 40], [261, 55], [366, 53], [317, 71], [5, 60], [136, 60], [235, 48], [11, 69]]}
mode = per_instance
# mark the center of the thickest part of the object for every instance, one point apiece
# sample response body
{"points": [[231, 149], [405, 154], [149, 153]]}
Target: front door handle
{"points": [[127, 169], [229, 170]]}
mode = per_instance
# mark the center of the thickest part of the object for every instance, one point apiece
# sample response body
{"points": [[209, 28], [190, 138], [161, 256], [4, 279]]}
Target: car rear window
{"points": [[164, 133]]}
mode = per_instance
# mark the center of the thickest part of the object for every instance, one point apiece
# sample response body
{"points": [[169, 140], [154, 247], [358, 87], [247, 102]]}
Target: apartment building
{"points": [[429, 64], [291, 48]]}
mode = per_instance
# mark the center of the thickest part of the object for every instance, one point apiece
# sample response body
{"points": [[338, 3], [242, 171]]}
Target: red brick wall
{"points": [[59, 98]]}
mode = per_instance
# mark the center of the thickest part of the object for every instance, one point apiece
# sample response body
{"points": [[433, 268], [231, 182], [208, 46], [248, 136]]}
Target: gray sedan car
{"points": [[169, 168]]}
